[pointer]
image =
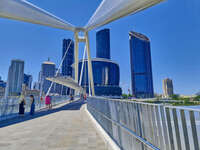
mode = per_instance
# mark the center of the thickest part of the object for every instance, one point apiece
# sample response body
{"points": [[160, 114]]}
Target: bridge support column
{"points": [[90, 70], [76, 58]]}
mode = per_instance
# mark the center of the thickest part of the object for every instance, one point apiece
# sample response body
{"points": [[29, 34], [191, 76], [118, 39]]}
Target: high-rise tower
{"points": [[48, 70], [103, 44], [15, 78], [67, 69], [28, 79], [168, 89], [141, 68], [106, 72]]}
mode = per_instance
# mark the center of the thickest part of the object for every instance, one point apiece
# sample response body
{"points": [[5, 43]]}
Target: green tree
{"points": [[175, 97], [197, 98]]}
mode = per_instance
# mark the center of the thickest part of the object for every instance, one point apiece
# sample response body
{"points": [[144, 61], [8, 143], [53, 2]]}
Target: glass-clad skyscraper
{"points": [[48, 70], [28, 80], [106, 76], [67, 69], [168, 89], [69, 58], [103, 44], [141, 68], [106, 73], [15, 78]]}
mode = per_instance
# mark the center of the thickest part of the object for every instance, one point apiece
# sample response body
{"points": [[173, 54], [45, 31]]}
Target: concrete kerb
{"points": [[110, 144]]}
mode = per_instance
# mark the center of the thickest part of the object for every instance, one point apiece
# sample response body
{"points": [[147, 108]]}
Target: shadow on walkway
{"points": [[76, 105]]}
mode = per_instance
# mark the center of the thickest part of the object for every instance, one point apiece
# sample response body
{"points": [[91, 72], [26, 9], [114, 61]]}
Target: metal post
{"points": [[90, 71], [76, 57]]}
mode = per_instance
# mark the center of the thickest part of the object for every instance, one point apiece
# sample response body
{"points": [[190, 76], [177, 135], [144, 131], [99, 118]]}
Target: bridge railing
{"points": [[144, 126], [9, 108]]}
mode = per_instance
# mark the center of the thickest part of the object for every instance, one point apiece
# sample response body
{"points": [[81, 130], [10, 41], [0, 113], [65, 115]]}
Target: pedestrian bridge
{"points": [[66, 127], [104, 124]]}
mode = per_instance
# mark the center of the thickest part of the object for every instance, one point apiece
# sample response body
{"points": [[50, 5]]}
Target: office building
{"points": [[141, 67], [103, 44], [28, 79], [106, 77], [15, 78], [2, 87], [168, 89], [2, 92], [58, 87], [2, 84], [67, 69], [69, 58], [106, 73], [48, 70], [36, 86]]}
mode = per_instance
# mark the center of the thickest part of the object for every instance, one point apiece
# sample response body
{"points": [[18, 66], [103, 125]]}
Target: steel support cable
{"points": [[59, 67]]}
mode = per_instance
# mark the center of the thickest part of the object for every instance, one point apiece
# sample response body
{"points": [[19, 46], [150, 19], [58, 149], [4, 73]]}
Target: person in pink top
{"points": [[48, 101]]}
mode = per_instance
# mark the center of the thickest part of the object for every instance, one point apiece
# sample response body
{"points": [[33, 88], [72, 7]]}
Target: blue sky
{"points": [[172, 26]]}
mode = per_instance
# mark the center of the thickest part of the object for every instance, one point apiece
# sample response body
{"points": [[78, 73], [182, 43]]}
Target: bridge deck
{"points": [[66, 127]]}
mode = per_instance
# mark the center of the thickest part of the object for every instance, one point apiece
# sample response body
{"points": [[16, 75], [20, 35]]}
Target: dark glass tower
{"points": [[141, 68], [103, 44], [67, 69], [106, 73], [48, 70], [69, 59]]}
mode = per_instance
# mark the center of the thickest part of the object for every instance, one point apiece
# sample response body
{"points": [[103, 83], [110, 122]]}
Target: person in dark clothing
{"points": [[32, 111], [22, 104], [71, 97]]}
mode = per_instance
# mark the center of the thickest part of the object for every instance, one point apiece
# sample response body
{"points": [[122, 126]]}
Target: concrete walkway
{"points": [[66, 127]]}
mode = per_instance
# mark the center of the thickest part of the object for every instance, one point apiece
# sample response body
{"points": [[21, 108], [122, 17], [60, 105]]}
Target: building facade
{"points": [[28, 79], [48, 70], [106, 77], [2, 92], [141, 67], [57, 87], [2, 84], [67, 69], [168, 89], [106, 73], [103, 44], [15, 78]]}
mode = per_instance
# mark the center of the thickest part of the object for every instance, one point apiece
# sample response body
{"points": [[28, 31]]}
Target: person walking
{"points": [[32, 111], [48, 101], [71, 97], [85, 97], [22, 104]]}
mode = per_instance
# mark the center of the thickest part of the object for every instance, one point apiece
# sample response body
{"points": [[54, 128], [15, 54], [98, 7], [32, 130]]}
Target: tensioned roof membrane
{"points": [[66, 81], [108, 11], [25, 11]]}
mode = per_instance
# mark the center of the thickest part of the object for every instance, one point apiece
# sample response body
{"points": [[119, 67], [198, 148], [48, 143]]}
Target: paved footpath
{"points": [[66, 127]]}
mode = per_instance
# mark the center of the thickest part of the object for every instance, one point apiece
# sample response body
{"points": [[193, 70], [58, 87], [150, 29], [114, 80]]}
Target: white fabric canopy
{"points": [[110, 10], [25, 11], [66, 81]]}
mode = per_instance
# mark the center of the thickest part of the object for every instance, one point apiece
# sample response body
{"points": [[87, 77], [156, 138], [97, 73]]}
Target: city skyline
{"points": [[164, 48]]}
